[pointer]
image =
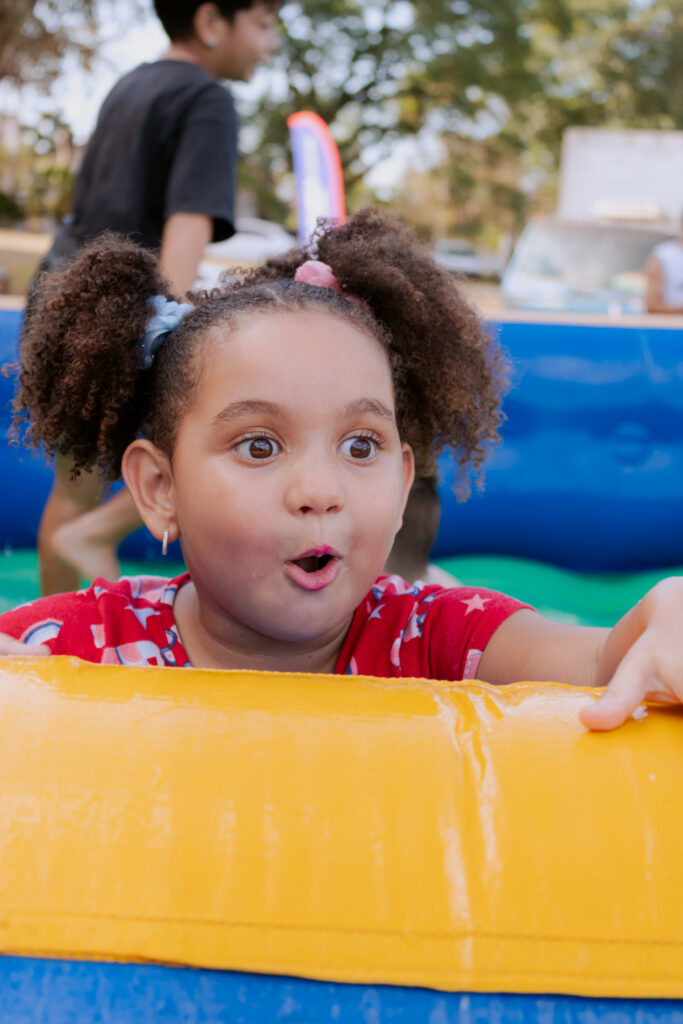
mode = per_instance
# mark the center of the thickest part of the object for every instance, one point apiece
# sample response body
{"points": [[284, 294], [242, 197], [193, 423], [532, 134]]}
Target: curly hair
{"points": [[82, 391]]}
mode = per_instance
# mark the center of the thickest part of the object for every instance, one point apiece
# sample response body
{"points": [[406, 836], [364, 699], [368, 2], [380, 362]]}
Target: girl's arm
{"points": [[640, 659], [8, 646]]}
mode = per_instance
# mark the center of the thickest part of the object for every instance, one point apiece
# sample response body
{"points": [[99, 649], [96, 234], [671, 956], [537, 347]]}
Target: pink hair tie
{"points": [[321, 275]]}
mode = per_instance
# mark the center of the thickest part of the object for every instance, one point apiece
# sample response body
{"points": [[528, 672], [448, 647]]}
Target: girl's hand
{"points": [[644, 657], [10, 646]]}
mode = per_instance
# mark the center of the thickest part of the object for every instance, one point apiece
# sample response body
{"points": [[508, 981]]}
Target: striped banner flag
{"points": [[318, 173]]}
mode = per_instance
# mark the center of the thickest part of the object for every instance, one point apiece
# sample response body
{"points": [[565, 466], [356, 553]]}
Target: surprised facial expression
{"points": [[289, 477]]}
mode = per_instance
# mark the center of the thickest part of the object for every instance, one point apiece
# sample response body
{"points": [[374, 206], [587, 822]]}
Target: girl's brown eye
{"points": [[261, 448], [254, 449], [359, 447]]}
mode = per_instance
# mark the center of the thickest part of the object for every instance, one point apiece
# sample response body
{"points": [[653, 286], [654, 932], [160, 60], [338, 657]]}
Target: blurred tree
{"points": [[10, 210], [495, 81], [48, 174], [616, 63], [35, 41], [384, 70], [37, 175], [35, 38]]}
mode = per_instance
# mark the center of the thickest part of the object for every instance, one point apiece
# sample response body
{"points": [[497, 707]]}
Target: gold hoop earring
{"points": [[164, 543]]}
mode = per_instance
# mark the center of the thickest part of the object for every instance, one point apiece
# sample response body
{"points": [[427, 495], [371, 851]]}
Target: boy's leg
{"points": [[68, 499], [87, 545]]}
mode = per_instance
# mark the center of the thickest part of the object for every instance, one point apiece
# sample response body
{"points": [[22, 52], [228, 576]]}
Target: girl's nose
{"points": [[314, 488]]}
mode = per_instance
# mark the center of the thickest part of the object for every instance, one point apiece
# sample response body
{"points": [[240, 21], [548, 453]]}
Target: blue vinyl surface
{"points": [[589, 475], [35, 991], [590, 472]]}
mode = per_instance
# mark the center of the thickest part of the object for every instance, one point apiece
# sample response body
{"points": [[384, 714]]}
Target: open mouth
{"points": [[313, 570], [313, 563]]}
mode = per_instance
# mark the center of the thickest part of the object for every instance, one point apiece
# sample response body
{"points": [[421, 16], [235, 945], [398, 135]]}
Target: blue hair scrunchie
{"points": [[167, 316]]}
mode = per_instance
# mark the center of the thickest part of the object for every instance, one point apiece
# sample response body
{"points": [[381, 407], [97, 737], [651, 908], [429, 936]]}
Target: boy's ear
{"points": [[206, 24], [147, 473]]}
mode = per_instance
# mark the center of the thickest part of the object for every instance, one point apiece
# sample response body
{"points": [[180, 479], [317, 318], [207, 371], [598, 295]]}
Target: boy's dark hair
{"points": [[177, 16], [82, 391]]}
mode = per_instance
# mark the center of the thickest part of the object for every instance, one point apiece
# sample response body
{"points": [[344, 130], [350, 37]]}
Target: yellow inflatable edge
{"points": [[457, 836]]}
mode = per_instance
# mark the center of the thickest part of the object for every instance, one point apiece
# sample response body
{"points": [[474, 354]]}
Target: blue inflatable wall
{"points": [[589, 475], [72, 992]]}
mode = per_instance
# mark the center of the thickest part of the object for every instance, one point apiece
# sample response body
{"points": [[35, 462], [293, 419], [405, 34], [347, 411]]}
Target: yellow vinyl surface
{"points": [[451, 835]]}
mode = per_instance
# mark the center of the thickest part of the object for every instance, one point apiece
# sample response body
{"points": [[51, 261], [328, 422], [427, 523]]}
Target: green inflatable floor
{"points": [[562, 595]]}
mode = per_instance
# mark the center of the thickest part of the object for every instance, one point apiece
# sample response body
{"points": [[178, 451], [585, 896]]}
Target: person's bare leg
{"points": [[87, 545], [68, 500]]}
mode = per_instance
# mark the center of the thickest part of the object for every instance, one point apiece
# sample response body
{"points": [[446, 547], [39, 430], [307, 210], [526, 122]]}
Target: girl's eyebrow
{"points": [[248, 407], [370, 405], [259, 407]]}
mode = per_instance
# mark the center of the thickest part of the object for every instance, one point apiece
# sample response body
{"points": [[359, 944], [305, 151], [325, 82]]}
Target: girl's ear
{"points": [[147, 474], [408, 477]]}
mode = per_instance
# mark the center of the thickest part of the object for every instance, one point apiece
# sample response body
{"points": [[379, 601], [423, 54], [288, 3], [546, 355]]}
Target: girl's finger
{"points": [[626, 690]]}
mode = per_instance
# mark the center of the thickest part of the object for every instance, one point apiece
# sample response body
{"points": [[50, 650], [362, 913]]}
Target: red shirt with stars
{"points": [[399, 629]]}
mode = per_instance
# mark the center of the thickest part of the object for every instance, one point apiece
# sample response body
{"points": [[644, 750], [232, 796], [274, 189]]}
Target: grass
{"points": [[557, 593]]}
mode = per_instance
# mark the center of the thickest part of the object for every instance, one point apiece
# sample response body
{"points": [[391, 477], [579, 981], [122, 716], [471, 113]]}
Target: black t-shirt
{"points": [[165, 143]]}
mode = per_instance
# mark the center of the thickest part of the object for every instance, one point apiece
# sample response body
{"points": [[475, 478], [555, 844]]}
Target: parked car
{"points": [[586, 267], [253, 242], [461, 257]]}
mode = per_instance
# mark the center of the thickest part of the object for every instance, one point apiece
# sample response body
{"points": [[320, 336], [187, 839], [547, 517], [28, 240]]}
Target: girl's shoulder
{"points": [[418, 629], [401, 595], [127, 621]]}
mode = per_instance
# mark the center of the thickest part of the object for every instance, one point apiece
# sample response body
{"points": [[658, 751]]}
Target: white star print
{"points": [[142, 614], [475, 603]]}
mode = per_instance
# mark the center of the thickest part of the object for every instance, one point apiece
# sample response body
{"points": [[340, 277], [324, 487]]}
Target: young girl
{"points": [[275, 428]]}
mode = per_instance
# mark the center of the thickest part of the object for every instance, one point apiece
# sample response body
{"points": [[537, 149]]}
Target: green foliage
{"points": [[49, 191], [35, 38], [483, 88], [377, 72], [38, 174], [496, 81], [10, 210]]}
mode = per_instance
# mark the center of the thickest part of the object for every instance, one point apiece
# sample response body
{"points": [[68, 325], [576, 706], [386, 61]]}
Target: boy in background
{"points": [[159, 168]]}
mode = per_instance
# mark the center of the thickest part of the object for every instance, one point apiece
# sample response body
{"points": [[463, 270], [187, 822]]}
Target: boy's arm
{"points": [[184, 239], [640, 659]]}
